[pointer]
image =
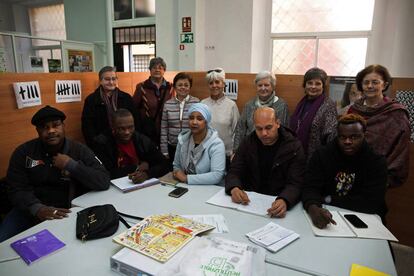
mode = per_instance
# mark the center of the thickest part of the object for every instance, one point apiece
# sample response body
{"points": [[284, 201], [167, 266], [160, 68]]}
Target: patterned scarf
{"points": [[301, 120], [194, 153], [111, 103], [269, 102]]}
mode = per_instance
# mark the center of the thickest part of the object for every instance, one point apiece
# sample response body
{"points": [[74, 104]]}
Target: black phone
{"points": [[177, 192], [355, 221]]}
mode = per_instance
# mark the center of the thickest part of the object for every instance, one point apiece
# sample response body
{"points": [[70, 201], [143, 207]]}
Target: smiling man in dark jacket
{"points": [[127, 152], [46, 173], [269, 161]]}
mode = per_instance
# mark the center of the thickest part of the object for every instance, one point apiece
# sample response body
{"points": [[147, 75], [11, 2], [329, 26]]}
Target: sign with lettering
{"points": [[187, 38], [27, 94], [232, 89], [186, 24], [68, 91]]}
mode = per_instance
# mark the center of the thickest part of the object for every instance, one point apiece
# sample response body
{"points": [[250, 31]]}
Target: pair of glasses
{"points": [[110, 79], [214, 70], [373, 82]]}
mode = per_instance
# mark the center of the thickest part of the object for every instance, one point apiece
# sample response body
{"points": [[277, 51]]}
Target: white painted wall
{"points": [[166, 32]]}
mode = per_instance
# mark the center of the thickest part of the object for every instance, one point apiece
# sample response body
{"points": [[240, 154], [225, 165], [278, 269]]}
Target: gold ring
{"points": [[55, 212]]}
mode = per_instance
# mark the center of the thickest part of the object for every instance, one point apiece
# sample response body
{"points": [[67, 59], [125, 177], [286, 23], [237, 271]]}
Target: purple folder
{"points": [[36, 246]]}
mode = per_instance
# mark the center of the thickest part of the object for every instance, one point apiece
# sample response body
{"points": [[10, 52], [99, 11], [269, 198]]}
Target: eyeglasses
{"points": [[110, 79], [373, 82], [214, 70]]}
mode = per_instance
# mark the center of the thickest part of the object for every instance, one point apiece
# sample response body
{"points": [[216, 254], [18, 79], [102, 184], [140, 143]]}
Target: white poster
{"points": [[3, 67], [27, 94], [68, 91], [232, 88]]}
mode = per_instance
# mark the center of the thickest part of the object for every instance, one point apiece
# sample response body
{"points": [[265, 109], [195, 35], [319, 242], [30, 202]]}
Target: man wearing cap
{"points": [[269, 161], [46, 173]]}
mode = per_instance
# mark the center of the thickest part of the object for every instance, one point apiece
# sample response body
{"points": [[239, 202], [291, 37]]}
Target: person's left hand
{"points": [[60, 160], [138, 176], [180, 176], [278, 209]]}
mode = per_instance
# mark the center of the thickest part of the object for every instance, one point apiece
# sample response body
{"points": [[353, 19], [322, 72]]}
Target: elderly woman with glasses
{"points": [[388, 129], [314, 119], [265, 87], [100, 106], [174, 116], [225, 113], [200, 155]]}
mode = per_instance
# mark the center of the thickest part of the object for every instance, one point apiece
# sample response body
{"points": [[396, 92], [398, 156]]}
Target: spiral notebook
{"points": [[36, 246]]}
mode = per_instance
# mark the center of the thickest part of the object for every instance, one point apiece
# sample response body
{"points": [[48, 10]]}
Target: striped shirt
{"points": [[171, 123]]}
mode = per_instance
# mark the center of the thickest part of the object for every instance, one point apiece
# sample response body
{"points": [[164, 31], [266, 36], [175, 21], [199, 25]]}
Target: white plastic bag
{"points": [[219, 257]]}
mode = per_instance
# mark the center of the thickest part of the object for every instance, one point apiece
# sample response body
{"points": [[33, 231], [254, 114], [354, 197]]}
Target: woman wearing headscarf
{"points": [[265, 86], [225, 114], [314, 119], [388, 129], [200, 155]]}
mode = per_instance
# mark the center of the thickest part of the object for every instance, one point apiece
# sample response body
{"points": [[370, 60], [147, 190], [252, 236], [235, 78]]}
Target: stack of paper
{"points": [[126, 185], [375, 230], [258, 205], [273, 237], [217, 221]]}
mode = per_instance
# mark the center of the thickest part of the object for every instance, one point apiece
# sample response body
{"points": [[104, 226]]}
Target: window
{"points": [[48, 22], [142, 8], [332, 35]]}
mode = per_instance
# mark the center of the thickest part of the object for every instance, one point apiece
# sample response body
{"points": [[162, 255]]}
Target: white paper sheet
{"points": [[258, 205], [272, 236], [215, 220]]}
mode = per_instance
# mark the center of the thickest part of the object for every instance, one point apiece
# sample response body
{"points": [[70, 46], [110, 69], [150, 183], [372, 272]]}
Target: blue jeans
{"points": [[16, 221]]}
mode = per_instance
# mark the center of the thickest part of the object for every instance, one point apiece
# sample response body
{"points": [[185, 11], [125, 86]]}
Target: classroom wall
{"points": [[16, 128]]}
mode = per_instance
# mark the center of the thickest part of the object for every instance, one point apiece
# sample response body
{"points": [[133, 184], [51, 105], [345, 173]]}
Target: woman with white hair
{"points": [[225, 114], [265, 87], [200, 156]]}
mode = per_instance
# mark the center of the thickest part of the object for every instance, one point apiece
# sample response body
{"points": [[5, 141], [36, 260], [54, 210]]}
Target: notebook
{"points": [[126, 185], [375, 230], [36, 246]]}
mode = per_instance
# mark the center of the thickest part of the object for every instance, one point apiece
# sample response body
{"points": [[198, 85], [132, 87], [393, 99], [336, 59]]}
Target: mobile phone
{"points": [[355, 221], [177, 192]]}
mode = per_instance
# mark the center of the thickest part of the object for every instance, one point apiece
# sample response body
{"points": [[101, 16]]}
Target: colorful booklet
{"points": [[161, 236], [36, 246]]}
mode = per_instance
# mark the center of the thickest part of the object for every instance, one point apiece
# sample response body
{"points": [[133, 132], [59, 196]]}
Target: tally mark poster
{"points": [[68, 91], [27, 94]]}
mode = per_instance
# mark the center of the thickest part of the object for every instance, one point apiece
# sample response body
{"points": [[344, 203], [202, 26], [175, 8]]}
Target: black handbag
{"points": [[99, 221]]}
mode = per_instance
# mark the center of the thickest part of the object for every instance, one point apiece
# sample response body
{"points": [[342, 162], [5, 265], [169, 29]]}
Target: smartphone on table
{"points": [[355, 221], [177, 192]]}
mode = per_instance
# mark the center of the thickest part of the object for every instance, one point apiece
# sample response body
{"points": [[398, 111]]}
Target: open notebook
{"points": [[375, 230]]}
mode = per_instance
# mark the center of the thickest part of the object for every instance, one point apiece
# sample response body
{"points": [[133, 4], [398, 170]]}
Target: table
{"points": [[322, 255]]}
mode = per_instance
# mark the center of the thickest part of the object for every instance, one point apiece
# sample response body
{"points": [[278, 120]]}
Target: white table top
{"points": [[324, 256]]}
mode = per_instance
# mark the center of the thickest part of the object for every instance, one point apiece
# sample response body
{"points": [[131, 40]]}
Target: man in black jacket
{"points": [[345, 173], [127, 152], [101, 104], [46, 173], [269, 161]]}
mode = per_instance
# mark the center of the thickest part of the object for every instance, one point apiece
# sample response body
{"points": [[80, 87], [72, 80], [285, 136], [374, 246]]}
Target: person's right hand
{"points": [[239, 196], [49, 213], [320, 216]]}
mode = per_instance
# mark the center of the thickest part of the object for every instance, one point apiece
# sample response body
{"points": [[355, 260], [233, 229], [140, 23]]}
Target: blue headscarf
{"points": [[203, 109]]}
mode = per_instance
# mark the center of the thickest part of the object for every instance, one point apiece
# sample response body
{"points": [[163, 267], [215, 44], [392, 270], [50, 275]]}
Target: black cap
{"points": [[47, 114]]}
